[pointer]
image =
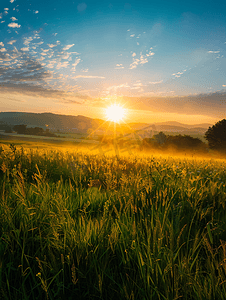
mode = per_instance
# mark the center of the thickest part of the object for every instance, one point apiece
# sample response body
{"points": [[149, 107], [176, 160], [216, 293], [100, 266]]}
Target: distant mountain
{"points": [[172, 127], [48, 120], [83, 124], [173, 123]]}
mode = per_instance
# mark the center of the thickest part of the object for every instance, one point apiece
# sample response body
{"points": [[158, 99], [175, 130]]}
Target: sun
{"points": [[115, 113]]}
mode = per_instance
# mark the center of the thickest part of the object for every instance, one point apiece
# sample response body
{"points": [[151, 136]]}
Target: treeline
{"points": [[162, 141], [22, 129], [159, 141]]}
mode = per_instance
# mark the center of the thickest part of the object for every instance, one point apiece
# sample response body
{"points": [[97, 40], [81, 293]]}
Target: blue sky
{"points": [[162, 60]]}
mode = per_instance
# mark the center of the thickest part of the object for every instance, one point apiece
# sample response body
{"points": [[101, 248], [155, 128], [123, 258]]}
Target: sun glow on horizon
{"points": [[115, 113]]}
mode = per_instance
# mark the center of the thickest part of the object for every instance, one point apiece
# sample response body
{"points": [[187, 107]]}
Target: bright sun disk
{"points": [[115, 113]]}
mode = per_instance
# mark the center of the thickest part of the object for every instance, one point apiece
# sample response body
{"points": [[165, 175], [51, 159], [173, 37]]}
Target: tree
{"points": [[216, 136], [160, 138], [20, 129], [157, 141]]}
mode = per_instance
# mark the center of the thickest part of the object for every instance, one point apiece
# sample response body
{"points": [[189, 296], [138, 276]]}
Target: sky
{"points": [[162, 61]]}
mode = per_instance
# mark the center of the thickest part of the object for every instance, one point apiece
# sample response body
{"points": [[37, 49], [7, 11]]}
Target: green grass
{"points": [[155, 229]]}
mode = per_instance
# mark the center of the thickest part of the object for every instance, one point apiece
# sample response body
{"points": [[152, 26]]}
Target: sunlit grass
{"points": [[154, 228]]}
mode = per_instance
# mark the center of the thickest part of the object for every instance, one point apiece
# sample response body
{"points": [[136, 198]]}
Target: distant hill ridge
{"points": [[174, 123], [82, 123], [50, 120]]}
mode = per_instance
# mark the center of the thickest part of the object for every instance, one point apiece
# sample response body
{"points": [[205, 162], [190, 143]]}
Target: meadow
{"points": [[154, 228]]}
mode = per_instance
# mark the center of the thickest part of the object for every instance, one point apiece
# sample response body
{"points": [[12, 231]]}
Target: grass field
{"points": [[154, 228]]}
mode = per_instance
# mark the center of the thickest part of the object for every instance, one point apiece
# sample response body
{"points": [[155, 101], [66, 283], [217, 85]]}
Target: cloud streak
{"points": [[87, 77], [156, 82], [201, 104], [68, 47], [11, 42]]}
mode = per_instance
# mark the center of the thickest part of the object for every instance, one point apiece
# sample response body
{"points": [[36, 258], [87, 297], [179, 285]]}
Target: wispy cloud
{"points": [[40, 91], [140, 61], [150, 53], [24, 49], [51, 45], [41, 58], [66, 56], [68, 47], [138, 86], [11, 42], [184, 104], [62, 65], [87, 77], [119, 66], [116, 87], [45, 50], [27, 40], [39, 43], [70, 101], [51, 64], [24, 72], [48, 60], [213, 51], [14, 25], [77, 61], [178, 74], [156, 82]]}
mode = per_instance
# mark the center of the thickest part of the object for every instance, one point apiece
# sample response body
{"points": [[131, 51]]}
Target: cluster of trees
{"points": [[177, 142], [215, 136], [22, 129]]}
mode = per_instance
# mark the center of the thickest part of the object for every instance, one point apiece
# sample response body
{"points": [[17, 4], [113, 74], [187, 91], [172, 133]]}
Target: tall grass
{"points": [[154, 229]]}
